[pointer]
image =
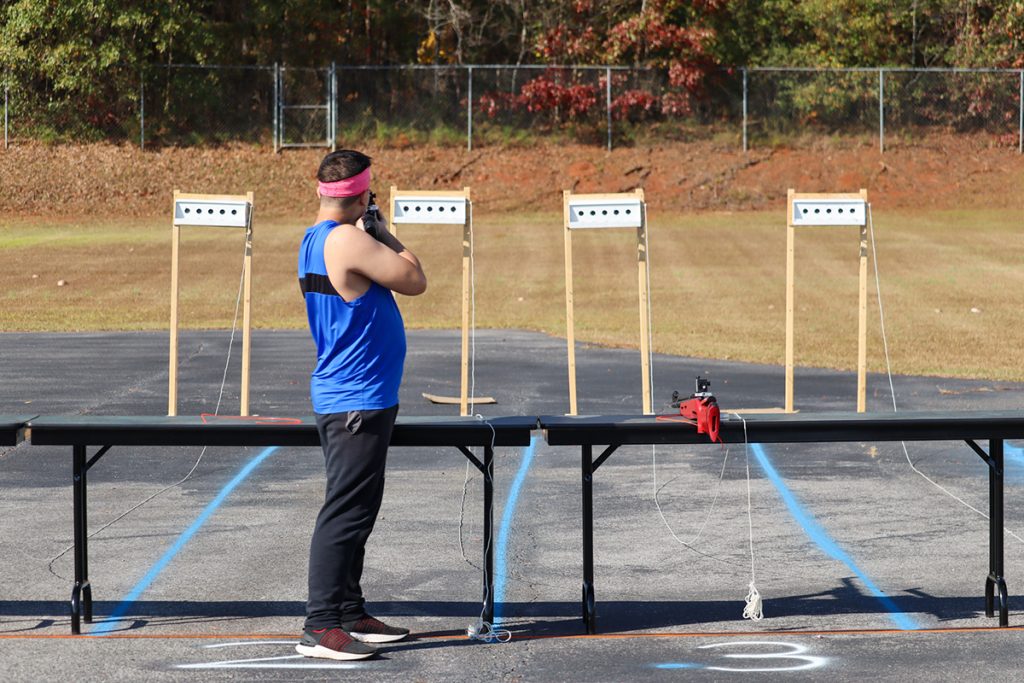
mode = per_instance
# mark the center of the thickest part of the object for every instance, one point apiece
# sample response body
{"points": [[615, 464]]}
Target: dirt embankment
{"points": [[123, 181]]}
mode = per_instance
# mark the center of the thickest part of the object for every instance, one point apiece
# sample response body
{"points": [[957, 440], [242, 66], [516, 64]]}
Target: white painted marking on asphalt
{"points": [[278, 662], [796, 652], [252, 642], [269, 664]]}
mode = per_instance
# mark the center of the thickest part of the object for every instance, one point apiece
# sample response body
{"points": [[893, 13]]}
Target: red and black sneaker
{"points": [[371, 630], [332, 643]]}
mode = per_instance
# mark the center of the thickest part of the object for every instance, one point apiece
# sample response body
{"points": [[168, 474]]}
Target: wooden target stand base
{"points": [[620, 210], [410, 207], [216, 211], [828, 210]]}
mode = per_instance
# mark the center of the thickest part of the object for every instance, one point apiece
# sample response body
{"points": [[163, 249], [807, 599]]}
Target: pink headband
{"points": [[348, 187]]}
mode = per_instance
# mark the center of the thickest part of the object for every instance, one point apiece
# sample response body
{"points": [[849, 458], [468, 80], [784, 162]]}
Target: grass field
{"points": [[952, 283]]}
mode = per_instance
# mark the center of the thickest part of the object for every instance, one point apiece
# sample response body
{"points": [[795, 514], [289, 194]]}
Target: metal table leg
{"points": [[995, 584], [589, 601], [488, 472], [487, 469], [81, 594]]}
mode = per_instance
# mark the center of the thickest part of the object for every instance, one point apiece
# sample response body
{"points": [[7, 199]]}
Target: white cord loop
{"points": [[486, 633], [752, 610]]}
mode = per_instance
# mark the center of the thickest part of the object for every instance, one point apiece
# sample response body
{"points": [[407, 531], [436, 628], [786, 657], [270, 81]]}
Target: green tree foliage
{"points": [[79, 61], [69, 41], [849, 33]]}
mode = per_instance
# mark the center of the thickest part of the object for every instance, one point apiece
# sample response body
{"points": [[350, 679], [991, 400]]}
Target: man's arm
{"points": [[387, 262], [391, 242]]}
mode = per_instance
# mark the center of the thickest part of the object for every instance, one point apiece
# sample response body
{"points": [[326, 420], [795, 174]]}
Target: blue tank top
{"points": [[360, 344]]}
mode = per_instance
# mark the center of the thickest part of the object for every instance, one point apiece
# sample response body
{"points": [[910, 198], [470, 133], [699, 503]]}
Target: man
{"points": [[347, 278]]}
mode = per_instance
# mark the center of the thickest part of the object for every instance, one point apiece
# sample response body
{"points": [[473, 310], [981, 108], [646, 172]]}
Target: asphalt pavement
{"points": [[866, 567]]}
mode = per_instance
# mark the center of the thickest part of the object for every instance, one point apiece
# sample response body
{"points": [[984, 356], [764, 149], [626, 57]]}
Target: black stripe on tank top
{"points": [[318, 284]]}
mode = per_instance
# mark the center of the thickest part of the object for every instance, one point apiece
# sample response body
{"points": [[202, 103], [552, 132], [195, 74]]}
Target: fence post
{"points": [[1020, 118], [142, 110], [744, 109], [469, 110], [608, 102], [332, 119], [881, 110], [275, 124]]}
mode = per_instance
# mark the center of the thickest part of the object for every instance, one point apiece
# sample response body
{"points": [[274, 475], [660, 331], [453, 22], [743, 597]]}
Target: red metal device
{"points": [[702, 408]]}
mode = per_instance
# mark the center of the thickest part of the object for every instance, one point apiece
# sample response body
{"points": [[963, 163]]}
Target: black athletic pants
{"points": [[355, 448]]}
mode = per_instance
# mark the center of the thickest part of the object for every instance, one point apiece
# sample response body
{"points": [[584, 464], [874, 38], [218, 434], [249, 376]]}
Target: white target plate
{"points": [[605, 213], [212, 213], [829, 212], [445, 210]]}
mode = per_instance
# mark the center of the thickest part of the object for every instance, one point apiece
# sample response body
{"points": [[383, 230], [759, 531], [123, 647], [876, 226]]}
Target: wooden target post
{"points": [[824, 210], [621, 210], [216, 211], [445, 208]]}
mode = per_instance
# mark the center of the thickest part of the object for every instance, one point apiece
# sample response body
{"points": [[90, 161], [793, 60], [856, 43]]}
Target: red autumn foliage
{"points": [[653, 38], [544, 94]]}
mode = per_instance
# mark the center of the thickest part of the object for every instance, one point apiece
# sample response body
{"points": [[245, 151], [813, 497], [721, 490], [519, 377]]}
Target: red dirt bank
{"points": [[122, 181]]}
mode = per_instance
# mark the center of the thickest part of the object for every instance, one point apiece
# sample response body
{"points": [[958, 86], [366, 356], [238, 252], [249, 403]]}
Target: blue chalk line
{"points": [[125, 605], [824, 541], [505, 531]]}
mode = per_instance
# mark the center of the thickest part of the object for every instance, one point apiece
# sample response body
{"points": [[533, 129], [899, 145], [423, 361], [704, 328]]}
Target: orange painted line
{"points": [[144, 636], [597, 636], [749, 634], [173, 636]]}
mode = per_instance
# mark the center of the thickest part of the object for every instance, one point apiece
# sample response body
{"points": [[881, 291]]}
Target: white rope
{"points": [[654, 453], [657, 503], [472, 382], [892, 389], [462, 520], [753, 608], [481, 630], [199, 459], [486, 632]]}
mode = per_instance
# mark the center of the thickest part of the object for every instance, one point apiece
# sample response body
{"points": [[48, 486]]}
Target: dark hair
{"points": [[342, 164]]}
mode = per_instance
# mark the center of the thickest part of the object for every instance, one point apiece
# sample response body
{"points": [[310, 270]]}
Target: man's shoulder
{"points": [[345, 234], [335, 228], [325, 226]]}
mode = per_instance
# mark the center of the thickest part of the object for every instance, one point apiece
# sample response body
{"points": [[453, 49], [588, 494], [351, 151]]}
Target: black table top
{"points": [[227, 430], [563, 430], [12, 429], [559, 430]]}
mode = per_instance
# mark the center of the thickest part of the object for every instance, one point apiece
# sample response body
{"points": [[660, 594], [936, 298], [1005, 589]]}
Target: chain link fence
{"points": [[802, 105], [190, 105], [893, 106], [108, 110], [306, 107], [404, 105], [978, 103], [476, 105]]}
